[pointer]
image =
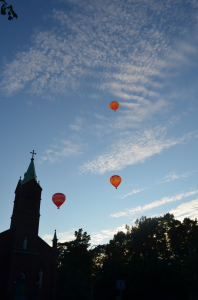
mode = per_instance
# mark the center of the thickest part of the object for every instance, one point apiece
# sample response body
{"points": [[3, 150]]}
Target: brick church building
{"points": [[28, 265]]}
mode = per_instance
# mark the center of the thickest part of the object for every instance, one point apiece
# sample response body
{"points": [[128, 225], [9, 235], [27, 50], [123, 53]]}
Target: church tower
{"points": [[26, 210], [28, 265]]}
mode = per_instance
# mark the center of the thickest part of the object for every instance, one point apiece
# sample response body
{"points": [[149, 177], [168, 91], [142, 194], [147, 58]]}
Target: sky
{"points": [[61, 64]]}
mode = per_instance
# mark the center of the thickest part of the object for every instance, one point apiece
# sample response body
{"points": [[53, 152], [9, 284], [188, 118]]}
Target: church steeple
{"points": [[54, 240], [26, 210], [31, 173]]}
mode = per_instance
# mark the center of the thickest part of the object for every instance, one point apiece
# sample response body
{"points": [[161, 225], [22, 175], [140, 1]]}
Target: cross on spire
{"points": [[33, 153]]}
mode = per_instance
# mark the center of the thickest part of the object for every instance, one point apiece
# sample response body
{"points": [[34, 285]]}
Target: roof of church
{"points": [[30, 174]]}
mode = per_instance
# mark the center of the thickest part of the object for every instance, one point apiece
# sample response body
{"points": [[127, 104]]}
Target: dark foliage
{"points": [[74, 270], [156, 258], [8, 9]]}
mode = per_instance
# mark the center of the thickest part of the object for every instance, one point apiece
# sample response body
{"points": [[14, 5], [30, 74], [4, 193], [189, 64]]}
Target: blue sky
{"points": [[61, 64]]}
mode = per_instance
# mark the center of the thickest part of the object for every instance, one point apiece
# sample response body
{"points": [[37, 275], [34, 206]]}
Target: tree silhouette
{"points": [[74, 271], [152, 257]]}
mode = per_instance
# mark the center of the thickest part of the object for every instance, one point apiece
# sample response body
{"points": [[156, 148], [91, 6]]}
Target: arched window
{"points": [[20, 287], [30, 199]]}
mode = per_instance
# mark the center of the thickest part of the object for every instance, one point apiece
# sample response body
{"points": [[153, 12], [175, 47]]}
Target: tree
{"points": [[151, 247], [109, 266], [141, 257], [180, 234], [74, 270], [9, 8], [152, 257]]}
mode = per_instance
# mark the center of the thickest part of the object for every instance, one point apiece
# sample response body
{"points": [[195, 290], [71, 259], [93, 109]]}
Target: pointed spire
{"points": [[55, 237], [54, 241], [31, 173]]}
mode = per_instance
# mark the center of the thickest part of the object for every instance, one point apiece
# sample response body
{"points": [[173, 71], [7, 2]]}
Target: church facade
{"points": [[28, 265]]}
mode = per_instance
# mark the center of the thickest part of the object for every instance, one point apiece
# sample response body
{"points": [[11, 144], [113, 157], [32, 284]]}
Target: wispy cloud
{"points": [[100, 117], [186, 210], [78, 125], [140, 209], [65, 148], [131, 149], [131, 193], [122, 48], [172, 176], [105, 235]]}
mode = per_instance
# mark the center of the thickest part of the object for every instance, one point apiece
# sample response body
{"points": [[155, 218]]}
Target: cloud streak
{"points": [[172, 176], [65, 148], [186, 210], [164, 200], [131, 193], [132, 149]]}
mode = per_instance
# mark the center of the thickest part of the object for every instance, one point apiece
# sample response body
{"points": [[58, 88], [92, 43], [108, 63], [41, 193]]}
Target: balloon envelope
{"points": [[114, 105], [115, 180], [58, 199]]}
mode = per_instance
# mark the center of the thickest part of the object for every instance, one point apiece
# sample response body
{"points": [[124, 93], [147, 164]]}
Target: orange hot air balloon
{"points": [[114, 105], [58, 199], [115, 180]]}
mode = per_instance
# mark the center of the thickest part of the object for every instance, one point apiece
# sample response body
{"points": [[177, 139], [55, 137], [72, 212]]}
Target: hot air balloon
{"points": [[114, 105], [115, 180], [58, 199]]}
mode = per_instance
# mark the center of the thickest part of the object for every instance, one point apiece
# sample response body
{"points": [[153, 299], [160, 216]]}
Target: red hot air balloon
{"points": [[58, 199], [115, 180], [114, 105]]}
